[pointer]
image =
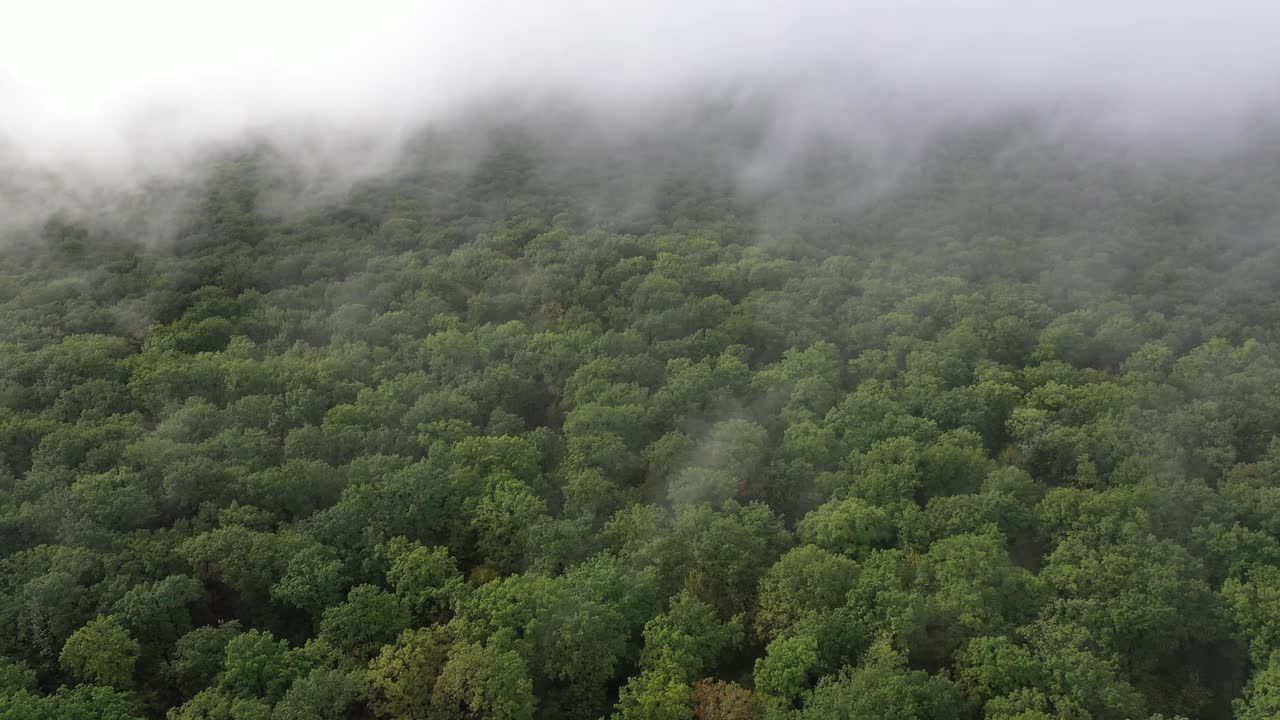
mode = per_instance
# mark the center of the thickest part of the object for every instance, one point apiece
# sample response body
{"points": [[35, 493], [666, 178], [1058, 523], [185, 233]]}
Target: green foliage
{"points": [[850, 526], [805, 582], [787, 665], [1253, 605], [686, 640], [370, 618], [882, 687], [215, 704], [488, 442], [654, 695], [312, 580], [1261, 698], [403, 676], [199, 655], [257, 666], [425, 579], [15, 677], [322, 694], [101, 652], [484, 682], [92, 702]]}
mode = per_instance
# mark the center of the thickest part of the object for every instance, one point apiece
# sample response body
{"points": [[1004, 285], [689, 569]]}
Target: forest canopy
{"points": [[552, 434]]}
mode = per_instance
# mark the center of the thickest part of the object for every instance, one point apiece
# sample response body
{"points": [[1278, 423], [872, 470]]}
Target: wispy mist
{"points": [[119, 94]]}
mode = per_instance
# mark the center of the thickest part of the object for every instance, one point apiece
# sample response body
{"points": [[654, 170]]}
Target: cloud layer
{"points": [[142, 73], [99, 99]]}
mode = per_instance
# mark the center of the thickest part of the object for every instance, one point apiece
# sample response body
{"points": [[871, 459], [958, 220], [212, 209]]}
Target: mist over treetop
{"points": [[136, 82], [809, 102], [651, 361]]}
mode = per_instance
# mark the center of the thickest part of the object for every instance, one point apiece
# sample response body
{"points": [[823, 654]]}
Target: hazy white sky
{"points": [[117, 76]]}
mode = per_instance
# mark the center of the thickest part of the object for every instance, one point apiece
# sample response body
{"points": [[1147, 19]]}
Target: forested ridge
{"points": [[516, 440]]}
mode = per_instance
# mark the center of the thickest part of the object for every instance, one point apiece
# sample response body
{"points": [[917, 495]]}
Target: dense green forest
{"points": [[534, 438]]}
